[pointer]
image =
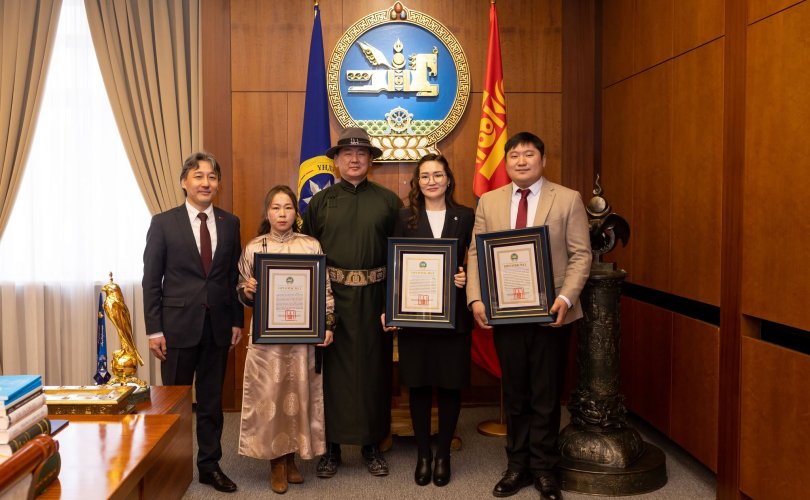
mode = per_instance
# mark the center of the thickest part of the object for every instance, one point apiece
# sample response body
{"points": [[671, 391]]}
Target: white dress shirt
{"points": [[436, 221]]}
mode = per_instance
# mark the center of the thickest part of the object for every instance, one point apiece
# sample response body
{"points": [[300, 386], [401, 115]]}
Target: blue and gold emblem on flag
{"points": [[402, 76], [102, 376]]}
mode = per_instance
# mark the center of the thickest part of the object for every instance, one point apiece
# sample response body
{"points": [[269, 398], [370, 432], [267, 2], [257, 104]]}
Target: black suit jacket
{"points": [[176, 291], [458, 223]]}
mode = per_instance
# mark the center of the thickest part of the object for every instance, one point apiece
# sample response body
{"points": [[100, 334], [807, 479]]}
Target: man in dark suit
{"points": [[191, 311], [532, 357]]}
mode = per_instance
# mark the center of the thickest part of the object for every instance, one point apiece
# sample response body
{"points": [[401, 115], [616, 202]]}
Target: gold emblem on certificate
{"points": [[290, 304], [517, 283], [421, 292]]}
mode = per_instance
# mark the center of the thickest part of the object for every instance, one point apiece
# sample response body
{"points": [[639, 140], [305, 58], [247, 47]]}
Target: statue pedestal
{"points": [[601, 453]]}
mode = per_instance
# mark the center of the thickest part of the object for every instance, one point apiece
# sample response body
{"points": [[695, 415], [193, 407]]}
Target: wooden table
{"points": [[146, 455]]}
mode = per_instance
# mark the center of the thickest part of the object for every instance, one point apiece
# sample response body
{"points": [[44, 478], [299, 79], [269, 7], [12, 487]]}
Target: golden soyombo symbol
{"points": [[401, 75]]}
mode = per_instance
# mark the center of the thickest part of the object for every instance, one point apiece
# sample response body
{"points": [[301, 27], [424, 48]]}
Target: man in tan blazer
{"points": [[533, 357]]}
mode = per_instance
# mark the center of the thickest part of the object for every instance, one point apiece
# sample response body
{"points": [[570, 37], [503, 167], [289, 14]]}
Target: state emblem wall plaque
{"points": [[401, 75]]}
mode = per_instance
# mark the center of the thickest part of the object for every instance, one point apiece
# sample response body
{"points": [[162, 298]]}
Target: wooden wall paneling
{"points": [[581, 97], [628, 358], [652, 178], [216, 91], [295, 128], [773, 429], [540, 114], [470, 25], [652, 33], [259, 61], [734, 139], [261, 159], [531, 45], [652, 362], [618, 17], [618, 156], [695, 388], [696, 22], [776, 233], [389, 175], [759, 9], [697, 168]]}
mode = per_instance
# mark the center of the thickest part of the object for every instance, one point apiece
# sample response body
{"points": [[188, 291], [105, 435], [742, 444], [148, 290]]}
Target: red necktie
{"points": [[523, 208], [205, 242]]}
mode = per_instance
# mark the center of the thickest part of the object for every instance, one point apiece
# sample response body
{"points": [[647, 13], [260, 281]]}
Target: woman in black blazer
{"points": [[430, 357]]}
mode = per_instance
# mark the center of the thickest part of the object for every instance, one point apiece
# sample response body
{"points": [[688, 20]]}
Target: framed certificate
{"points": [[290, 302], [517, 282], [421, 291]]}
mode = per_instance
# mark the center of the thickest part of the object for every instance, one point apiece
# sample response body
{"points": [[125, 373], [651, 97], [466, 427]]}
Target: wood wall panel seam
{"points": [[734, 90], [670, 59]]}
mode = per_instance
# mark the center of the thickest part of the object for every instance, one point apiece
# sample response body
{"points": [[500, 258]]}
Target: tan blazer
{"points": [[561, 209]]}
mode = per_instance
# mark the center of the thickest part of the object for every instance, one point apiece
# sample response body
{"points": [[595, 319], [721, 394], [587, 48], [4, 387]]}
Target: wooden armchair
{"points": [[18, 473]]}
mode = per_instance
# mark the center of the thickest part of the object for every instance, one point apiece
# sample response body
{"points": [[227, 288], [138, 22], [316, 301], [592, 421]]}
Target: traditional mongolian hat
{"points": [[354, 136]]}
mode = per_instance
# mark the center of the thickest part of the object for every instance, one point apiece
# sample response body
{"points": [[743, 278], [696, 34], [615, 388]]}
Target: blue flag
{"points": [[315, 171], [102, 375]]}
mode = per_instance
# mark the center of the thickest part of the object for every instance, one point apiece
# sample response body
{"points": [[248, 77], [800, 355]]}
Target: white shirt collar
{"points": [[192, 212], [534, 188]]}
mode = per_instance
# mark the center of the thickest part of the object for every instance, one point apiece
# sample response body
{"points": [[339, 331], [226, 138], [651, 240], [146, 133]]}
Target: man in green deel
{"points": [[353, 220]]}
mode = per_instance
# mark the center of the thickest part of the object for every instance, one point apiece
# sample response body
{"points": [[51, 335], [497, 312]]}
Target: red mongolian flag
{"points": [[490, 167]]}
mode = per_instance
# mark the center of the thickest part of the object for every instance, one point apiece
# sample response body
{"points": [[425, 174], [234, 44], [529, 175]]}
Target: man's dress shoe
{"points": [[511, 483], [327, 465], [218, 480], [375, 461], [548, 487]]}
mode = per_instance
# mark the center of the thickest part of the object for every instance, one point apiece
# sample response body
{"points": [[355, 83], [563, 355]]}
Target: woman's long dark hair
{"points": [[416, 200], [264, 226]]}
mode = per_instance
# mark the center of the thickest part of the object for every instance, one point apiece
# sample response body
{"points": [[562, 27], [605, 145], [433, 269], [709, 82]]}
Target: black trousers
{"points": [[533, 360], [207, 362]]}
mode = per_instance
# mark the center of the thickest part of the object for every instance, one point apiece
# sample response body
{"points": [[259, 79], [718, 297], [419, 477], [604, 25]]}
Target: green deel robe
{"points": [[353, 225]]}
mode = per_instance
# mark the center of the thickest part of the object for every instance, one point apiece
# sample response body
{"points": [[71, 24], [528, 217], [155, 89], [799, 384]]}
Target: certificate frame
{"points": [[436, 307], [294, 287], [509, 259]]}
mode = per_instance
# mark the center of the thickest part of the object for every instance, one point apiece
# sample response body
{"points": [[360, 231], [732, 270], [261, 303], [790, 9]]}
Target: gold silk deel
{"points": [[282, 399]]}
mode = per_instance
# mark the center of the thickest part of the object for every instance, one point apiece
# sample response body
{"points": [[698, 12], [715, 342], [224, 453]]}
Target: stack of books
{"points": [[24, 415]]}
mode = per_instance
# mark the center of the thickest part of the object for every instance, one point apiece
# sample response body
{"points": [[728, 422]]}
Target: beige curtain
{"points": [[149, 54], [27, 31], [50, 329]]}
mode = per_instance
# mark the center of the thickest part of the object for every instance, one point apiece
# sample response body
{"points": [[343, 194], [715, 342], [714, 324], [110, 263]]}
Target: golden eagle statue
{"points": [[125, 360]]}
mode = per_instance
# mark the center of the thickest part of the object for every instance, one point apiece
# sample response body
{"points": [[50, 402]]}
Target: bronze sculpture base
{"points": [[646, 474], [606, 447]]}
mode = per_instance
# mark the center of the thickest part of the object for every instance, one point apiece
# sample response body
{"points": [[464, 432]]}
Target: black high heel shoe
{"points": [[422, 474], [441, 471]]}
